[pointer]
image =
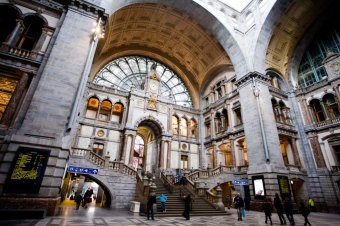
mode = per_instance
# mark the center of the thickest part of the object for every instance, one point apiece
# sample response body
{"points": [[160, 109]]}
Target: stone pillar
{"points": [[259, 124], [14, 35], [161, 157], [219, 203], [305, 111], [41, 39], [325, 109], [337, 94], [229, 112], [311, 113], [169, 155], [123, 153], [295, 152], [318, 156], [212, 124], [15, 99], [223, 90], [132, 148], [223, 127]]}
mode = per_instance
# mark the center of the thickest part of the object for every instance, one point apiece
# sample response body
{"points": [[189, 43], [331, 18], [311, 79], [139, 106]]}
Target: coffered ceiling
{"points": [[166, 35]]}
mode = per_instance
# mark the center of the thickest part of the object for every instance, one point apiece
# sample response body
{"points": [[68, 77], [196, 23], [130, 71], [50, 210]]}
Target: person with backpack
{"points": [[304, 212], [78, 200], [268, 209]]}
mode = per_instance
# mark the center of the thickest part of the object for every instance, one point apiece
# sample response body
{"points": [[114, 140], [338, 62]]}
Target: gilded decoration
{"points": [[7, 87], [152, 102]]}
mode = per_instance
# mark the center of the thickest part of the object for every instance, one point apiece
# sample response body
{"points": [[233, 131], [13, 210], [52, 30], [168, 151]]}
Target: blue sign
{"points": [[81, 170], [241, 182]]}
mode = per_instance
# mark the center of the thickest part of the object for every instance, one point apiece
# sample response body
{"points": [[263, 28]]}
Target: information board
{"points": [[283, 182], [27, 171]]}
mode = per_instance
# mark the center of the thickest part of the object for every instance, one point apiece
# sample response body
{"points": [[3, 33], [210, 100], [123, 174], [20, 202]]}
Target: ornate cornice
{"points": [[89, 8], [249, 77]]}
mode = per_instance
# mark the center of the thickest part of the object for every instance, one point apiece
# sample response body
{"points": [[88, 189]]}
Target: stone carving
{"points": [[152, 103]]}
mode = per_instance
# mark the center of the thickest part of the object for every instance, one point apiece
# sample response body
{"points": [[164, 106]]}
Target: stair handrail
{"points": [[211, 197], [168, 181], [96, 159]]}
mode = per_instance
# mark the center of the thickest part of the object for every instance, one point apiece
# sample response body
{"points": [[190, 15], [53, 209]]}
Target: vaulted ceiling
{"points": [[292, 26], [166, 35]]}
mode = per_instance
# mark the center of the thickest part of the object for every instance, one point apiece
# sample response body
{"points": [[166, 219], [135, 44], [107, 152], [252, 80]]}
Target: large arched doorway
{"points": [[75, 184], [147, 146]]}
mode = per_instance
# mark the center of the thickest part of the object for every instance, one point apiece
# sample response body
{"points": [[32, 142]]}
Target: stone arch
{"points": [[36, 15], [110, 198], [207, 21], [152, 120]]}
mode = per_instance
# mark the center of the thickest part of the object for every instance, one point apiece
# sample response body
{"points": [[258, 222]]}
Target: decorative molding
{"points": [[240, 83]]}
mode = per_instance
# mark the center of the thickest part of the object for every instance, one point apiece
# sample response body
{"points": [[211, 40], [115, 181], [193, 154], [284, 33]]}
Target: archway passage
{"points": [[146, 146], [75, 184]]}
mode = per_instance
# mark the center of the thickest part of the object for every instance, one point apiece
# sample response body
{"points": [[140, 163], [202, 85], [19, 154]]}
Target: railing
{"points": [[327, 122], [168, 181], [242, 169], [31, 55], [278, 91], [104, 162], [210, 197]]}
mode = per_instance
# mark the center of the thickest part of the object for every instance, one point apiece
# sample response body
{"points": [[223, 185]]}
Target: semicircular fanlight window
{"points": [[130, 72]]}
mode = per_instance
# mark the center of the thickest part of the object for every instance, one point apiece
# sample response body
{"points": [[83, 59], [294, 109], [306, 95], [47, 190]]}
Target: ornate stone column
{"points": [[325, 109], [213, 131], [318, 156], [15, 99], [295, 152], [161, 157], [123, 153], [132, 148], [305, 111], [337, 94], [14, 35], [169, 155], [311, 113]]}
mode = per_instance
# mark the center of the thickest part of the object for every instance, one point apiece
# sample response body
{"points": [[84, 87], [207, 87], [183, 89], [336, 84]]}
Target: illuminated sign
{"points": [[259, 187], [81, 170], [284, 186], [27, 171]]}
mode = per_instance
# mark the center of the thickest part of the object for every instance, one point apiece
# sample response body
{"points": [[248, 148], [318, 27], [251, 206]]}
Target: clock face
{"points": [[153, 86]]}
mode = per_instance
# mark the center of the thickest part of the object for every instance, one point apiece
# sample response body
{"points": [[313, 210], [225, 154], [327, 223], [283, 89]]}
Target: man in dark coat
{"points": [[187, 207], [78, 200], [149, 207], [305, 212], [279, 208], [288, 207], [87, 197]]}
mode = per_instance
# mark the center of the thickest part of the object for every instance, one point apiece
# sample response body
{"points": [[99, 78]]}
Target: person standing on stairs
{"points": [[162, 198], [187, 207], [149, 207]]}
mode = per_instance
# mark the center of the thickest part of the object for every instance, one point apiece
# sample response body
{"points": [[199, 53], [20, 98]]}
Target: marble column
{"points": [[325, 109], [123, 153], [169, 154], [14, 35], [132, 148], [161, 157], [311, 113], [318, 156], [295, 152], [15, 99]]}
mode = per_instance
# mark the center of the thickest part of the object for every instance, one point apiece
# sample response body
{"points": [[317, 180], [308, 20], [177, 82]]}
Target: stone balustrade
{"points": [[22, 53], [104, 162], [293, 168], [336, 169]]}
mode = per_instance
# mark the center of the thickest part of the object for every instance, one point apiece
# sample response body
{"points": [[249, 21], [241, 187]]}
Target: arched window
{"points": [[331, 105], [276, 110], [184, 127], [117, 112], [218, 122], [225, 116], [30, 35], [238, 116], [311, 68], [92, 108], [317, 110], [193, 128], [8, 16], [174, 124], [105, 110], [131, 71]]}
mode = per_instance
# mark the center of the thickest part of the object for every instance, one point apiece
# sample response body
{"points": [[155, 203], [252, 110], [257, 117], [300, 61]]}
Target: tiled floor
{"points": [[68, 216]]}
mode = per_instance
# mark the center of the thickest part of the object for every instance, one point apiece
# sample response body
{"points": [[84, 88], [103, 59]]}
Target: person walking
{"points": [[149, 207], [228, 201], [267, 208], [78, 200], [162, 198], [87, 197], [187, 207], [304, 212], [288, 207], [239, 204], [311, 204], [279, 208]]}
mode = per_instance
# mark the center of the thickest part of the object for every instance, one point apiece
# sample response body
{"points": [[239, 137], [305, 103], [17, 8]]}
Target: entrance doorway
{"points": [[298, 190], [147, 146], [75, 184]]}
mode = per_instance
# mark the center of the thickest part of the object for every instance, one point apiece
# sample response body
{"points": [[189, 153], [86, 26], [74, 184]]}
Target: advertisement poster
{"points": [[27, 171], [284, 186], [259, 187]]}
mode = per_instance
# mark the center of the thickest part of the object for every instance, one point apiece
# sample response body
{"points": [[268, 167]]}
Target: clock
{"points": [[153, 86]]}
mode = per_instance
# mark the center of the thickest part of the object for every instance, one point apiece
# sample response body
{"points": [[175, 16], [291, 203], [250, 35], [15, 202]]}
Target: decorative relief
{"points": [[320, 162], [152, 103], [100, 133]]}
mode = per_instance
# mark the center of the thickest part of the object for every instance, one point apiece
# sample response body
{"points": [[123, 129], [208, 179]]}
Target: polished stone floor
{"points": [[68, 216]]}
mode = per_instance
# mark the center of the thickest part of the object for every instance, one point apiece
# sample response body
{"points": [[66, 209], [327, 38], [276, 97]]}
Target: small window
{"points": [[117, 112], [98, 149], [92, 108], [238, 117], [184, 127], [174, 125], [105, 110], [184, 162]]}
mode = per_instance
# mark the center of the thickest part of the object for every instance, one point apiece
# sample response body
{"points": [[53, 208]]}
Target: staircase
{"points": [[175, 204]]}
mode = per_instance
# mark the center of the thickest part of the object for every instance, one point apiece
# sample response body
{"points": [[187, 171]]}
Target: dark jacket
{"points": [[278, 205], [238, 202], [187, 202], [288, 206], [304, 210], [151, 201], [267, 208]]}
